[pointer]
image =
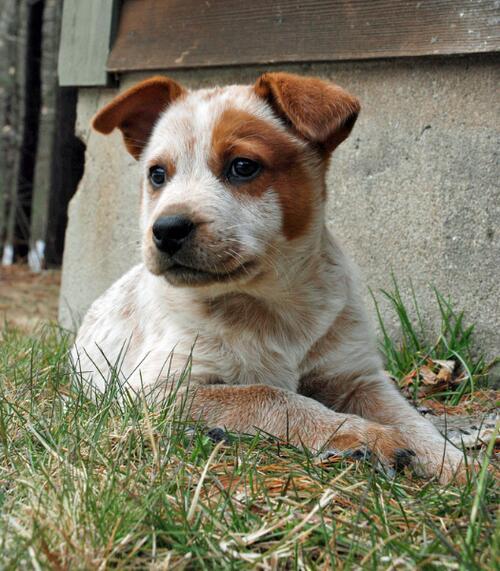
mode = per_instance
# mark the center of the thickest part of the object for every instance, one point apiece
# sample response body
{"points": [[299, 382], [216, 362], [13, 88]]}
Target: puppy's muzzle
{"points": [[170, 233]]}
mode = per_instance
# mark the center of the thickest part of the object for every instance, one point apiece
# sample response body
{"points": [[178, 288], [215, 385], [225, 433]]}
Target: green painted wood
{"points": [[86, 34]]}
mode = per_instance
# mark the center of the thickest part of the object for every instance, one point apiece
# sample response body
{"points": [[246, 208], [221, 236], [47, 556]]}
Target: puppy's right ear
{"points": [[136, 110]]}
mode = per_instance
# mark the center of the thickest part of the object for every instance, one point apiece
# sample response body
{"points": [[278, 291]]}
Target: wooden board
{"points": [[85, 40], [162, 34]]}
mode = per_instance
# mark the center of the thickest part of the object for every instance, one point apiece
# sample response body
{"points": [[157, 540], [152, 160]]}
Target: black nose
{"points": [[170, 232]]}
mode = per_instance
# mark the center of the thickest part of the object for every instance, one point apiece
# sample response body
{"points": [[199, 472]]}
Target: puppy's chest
{"points": [[255, 350], [252, 361]]}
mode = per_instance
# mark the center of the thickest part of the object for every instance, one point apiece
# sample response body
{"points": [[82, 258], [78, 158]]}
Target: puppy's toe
{"points": [[400, 459], [218, 434], [403, 457], [363, 453]]}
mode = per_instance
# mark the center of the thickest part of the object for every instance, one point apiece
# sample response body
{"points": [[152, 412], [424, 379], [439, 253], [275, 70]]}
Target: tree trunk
{"points": [[43, 171], [9, 121], [41, 160], [30, 52], [60, 155]]}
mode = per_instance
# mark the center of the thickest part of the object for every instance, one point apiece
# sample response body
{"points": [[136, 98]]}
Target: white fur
{"points": [[148, 326]]}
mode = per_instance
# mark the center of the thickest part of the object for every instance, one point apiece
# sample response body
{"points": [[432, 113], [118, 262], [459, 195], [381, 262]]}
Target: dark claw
{"points": [[358, 454], [218, 435], [403, 458]]}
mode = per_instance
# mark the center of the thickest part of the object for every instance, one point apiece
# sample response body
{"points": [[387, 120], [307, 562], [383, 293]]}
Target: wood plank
{"points": [[60, 154], [42, 184], [12, 29], [85, 40], [163, 34], [8, 109]]}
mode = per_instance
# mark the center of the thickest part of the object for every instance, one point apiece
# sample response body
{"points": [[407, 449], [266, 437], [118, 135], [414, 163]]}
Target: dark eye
{"points": [[242, 170], [157, 176]]}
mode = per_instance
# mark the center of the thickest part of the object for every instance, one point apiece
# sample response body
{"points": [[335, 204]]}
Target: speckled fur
{"points": [[285, 346]]}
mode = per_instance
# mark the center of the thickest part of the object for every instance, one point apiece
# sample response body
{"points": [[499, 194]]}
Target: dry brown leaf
{"points": [[446, 370], [432, 377], [427, 375]]}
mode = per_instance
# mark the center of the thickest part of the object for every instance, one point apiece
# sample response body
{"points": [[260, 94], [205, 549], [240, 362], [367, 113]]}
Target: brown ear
{"points": [[321, 112], [136, 110]]}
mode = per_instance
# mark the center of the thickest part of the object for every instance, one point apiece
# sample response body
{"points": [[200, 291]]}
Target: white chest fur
{"points": [[235, 338]]}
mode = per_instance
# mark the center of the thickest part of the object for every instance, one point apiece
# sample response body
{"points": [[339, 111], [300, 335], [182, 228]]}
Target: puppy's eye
{"points": [[157, 176], [242, 170]]}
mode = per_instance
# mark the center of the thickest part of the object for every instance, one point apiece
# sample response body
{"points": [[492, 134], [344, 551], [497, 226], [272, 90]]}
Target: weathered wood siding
{"points": [[85, 39], [159, 34]]}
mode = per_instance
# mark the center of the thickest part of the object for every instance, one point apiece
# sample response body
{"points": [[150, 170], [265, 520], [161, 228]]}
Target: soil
{"points": [[28, 299]]}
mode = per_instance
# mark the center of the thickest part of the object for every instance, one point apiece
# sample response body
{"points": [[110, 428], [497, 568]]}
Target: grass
{"points": [[98, 485], [417, 346]]}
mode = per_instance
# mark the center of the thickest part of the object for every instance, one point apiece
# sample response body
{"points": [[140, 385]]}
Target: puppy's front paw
{"points": [[403, 457]]}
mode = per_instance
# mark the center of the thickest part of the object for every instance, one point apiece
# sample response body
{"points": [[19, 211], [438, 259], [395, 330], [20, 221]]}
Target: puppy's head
{"points": [[233, 175]]}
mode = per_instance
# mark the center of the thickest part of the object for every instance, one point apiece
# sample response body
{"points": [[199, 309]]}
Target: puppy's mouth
{"points": [[182, 274]]}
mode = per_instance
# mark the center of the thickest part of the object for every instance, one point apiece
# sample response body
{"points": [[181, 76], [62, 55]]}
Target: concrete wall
{"points": [[414, 190]]}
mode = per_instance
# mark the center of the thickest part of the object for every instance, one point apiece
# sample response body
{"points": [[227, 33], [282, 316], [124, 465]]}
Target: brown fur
{"points": [[287, 351], [135, 111], [320, 112], [239, 134], [291, 418]]}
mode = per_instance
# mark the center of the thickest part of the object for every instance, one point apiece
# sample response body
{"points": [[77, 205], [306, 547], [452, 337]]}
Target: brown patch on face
{"points": [[240, 134]]}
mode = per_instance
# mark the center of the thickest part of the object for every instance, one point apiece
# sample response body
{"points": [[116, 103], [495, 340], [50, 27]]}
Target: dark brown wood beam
{"points": [[169, 34]]}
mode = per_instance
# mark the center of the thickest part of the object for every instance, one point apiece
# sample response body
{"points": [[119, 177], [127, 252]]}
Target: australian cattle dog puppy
{"points": [[240, 270]]}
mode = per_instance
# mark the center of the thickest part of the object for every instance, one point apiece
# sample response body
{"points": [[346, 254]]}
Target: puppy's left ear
{"points": [[320, 112], [136, 111]]}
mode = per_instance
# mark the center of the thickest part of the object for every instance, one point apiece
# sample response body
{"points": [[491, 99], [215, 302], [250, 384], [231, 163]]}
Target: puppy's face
{"points": [[224, 185], [230, 175]]}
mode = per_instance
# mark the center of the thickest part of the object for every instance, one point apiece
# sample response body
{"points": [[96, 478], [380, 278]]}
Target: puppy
{"points": [[240, 271]]}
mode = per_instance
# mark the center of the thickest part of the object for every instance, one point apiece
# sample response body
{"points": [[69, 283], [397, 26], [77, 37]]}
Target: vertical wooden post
{"points": [[27, 93], [87, 31], [60, 154], [42, 183], [9, 115]]}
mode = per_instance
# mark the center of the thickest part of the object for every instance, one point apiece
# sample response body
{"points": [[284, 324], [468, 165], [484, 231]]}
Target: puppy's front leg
{"points": [[294, 418], [375, 398]]}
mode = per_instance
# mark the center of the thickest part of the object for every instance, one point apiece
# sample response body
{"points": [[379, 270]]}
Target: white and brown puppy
{"points": [[238, 263]]}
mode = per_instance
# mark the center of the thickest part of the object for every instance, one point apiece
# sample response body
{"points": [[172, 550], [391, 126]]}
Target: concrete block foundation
{"points": [[413, 191]]}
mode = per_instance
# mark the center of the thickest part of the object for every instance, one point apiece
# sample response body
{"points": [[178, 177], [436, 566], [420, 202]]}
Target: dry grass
{"points": [[124, 485], [106, 485]]}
